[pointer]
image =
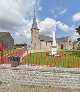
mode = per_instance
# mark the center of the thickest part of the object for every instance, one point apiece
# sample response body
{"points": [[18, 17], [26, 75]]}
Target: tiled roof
{"points": [[47, 38]]}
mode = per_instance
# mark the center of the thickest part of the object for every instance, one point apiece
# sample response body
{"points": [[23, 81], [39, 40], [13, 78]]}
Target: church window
{"points": [[46, 43], [35, 44], [69, 43]]}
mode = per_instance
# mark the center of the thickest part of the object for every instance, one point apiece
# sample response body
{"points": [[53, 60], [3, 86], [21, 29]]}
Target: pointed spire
{"points": [[34, 25], [34, 13]]}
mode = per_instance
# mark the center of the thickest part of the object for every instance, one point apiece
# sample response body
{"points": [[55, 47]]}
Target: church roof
{"points": [[45, 38], [62, 39], [50, 39]]}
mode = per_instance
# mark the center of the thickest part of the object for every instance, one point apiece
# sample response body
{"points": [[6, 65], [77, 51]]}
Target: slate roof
{"points": [[75, 42], [45, 38], [50, 39]]}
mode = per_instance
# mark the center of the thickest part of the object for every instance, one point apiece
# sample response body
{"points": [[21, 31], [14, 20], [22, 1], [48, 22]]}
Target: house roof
{"points": [[3, 33], [50, 39], [76, 42]]}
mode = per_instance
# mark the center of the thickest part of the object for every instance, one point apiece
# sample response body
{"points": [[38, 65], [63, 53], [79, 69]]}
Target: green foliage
{"points": [[78, 39], [78, 31], [21, 44], [76, 53]]}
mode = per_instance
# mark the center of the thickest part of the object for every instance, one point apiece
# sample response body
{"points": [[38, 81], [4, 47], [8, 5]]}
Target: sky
{"points": [[62, 16]]}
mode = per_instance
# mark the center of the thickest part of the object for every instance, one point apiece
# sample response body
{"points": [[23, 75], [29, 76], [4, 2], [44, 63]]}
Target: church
{"points": [[42, 42]]}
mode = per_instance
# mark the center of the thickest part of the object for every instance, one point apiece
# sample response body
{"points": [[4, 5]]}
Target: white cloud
{"points": [[57, 11], [40, 8], [75, 36], [63, 11], [63, 27], [47, 26], [76, 17], [12, 18]]}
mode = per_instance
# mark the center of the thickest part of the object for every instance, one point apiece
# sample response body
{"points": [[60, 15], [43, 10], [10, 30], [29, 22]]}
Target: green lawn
{"points": [[66, 59]]}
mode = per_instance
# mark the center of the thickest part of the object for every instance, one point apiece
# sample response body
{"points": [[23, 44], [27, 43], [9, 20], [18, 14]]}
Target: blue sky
{"points": [[53, 9], [72, 6], [62, 16]]}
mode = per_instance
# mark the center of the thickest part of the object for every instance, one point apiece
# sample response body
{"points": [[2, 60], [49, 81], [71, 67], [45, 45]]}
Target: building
{"points": [[7, 40], [41, 42], [76, 45]]}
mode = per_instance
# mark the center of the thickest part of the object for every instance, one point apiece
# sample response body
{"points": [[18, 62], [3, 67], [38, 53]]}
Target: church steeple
{"points": [[34, 25], [35, 42]]}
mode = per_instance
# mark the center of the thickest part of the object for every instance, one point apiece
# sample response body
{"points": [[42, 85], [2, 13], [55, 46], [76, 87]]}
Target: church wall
{"points": [[69, 44], [35, 39], [42, 45], [66, 45], [45, 46], [62, 44]]}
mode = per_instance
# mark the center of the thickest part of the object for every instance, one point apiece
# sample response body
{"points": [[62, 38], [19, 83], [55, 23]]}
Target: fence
{"points": [[68, 59]]}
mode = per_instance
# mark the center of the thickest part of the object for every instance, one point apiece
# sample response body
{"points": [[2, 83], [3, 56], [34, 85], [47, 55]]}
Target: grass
{"points": [[66, 59]]}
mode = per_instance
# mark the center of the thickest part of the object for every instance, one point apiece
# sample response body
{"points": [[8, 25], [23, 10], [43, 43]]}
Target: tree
{"points": [[78, 31]]}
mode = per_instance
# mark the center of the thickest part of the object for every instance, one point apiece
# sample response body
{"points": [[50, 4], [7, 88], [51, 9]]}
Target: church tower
{"points": [[35, 35]]}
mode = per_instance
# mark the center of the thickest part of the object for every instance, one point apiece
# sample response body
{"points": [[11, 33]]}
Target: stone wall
{"points": [[7, 40], [43, 76], [35, 39], [46, 45]]}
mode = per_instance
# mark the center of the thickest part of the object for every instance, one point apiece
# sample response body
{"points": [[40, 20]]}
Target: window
{"points": [[35, 36], [35, 44], [51, 43], [61, 46], [46, 43], [69, 43]]}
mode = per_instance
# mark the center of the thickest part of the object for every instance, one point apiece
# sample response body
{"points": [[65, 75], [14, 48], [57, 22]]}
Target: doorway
{"points": [[61, 46]]}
